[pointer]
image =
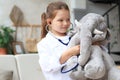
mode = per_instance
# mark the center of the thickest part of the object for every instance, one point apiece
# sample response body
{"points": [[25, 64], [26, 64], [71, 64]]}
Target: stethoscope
{"points": [[63, 68], [71, 69], [58, 38]]}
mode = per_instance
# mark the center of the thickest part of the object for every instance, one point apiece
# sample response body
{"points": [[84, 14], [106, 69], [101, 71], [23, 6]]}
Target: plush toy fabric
{"points": [[94, 61]]}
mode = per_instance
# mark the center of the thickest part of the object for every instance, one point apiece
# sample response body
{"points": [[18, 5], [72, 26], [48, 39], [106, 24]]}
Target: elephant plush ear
{"points": [[78, 25], [108, 34]]}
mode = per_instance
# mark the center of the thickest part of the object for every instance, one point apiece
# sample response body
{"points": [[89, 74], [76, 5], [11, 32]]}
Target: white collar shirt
{"points": [[50, 50]]}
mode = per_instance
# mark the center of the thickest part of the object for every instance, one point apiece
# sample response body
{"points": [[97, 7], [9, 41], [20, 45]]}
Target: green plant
{"points": [[6, 38]]}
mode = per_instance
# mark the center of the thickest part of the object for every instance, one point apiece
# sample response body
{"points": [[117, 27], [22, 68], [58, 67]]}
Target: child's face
{"points": [[61, 22]]}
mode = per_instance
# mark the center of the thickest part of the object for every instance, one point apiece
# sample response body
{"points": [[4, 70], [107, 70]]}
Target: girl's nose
{"points": [[66, 22]]}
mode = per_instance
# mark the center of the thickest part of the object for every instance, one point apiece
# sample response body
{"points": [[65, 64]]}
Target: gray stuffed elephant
{"points": [[94, 61]]}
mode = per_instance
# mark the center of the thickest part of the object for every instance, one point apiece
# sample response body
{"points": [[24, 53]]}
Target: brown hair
{"points": [[50, 13]]}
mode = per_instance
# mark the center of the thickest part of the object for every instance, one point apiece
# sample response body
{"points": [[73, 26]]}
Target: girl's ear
{"points": [[49, 21]]}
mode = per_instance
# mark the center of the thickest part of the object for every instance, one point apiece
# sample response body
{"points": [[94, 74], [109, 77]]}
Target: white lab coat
{"points": [[50, 50]]}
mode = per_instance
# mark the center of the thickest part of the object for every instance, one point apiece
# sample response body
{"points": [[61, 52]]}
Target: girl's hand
{"points": [[73, 51]]}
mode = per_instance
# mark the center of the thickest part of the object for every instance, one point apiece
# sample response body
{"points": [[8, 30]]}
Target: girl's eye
{"points": [[60, 20], [63, 20]]}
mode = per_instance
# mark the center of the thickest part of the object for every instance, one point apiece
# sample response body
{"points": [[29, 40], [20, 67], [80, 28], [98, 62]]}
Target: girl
{"points": [[52, 49]]}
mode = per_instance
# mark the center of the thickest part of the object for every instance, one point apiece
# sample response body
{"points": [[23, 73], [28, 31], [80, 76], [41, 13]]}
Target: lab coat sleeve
{"points": [[48, 61]]}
